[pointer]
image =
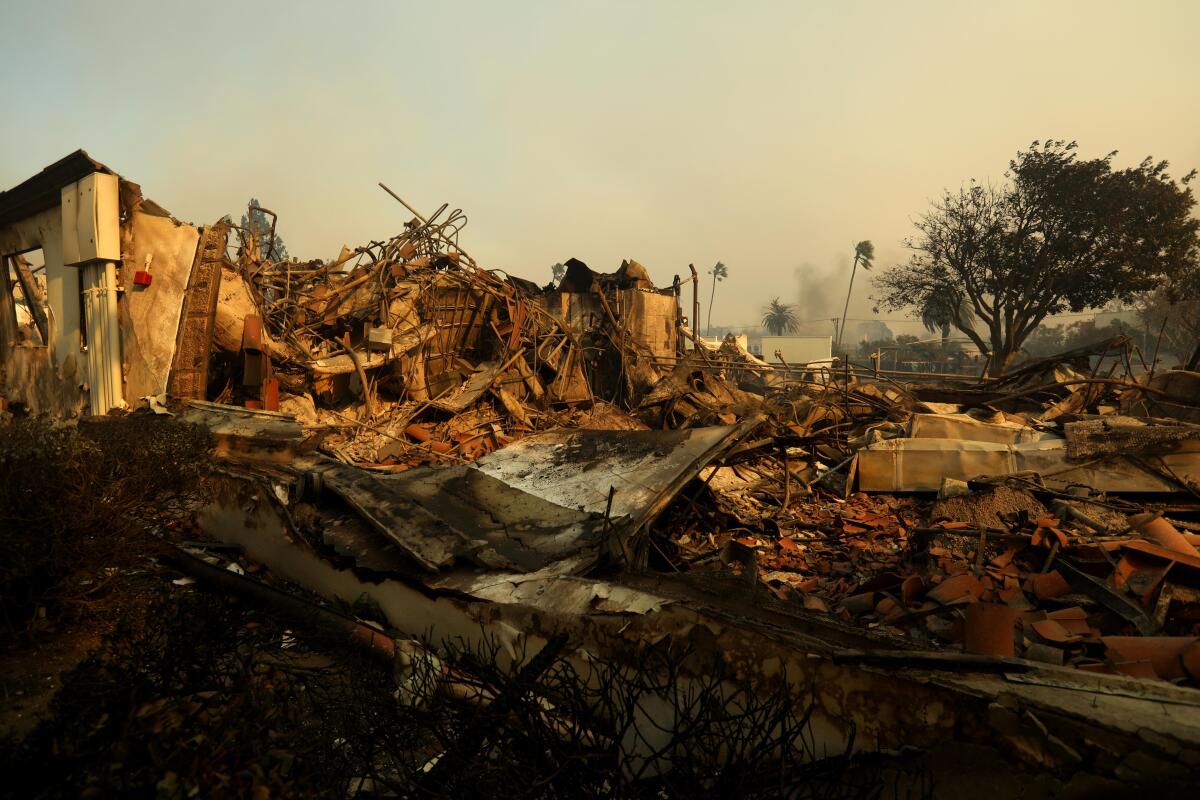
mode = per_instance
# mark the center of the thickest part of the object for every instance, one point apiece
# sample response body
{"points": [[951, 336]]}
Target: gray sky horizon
{"points": [[769, 136]]}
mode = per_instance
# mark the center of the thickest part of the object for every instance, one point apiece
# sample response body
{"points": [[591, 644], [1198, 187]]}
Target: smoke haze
{"points": [[763, 135], [816, 299]]}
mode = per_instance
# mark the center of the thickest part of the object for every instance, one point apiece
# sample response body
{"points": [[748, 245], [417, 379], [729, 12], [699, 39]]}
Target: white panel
{"points": [[91, 220], [70, 223], [107, 221], [918, 465]]}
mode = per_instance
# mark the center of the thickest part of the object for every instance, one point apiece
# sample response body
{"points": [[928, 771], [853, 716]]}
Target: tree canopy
{"points": [[258, 226], [1061, 233], [864, 253]]}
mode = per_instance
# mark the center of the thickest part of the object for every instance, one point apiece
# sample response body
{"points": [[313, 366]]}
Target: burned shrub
{"points": [[204, 701], [185, 706], [74, 502], [551, 730]]}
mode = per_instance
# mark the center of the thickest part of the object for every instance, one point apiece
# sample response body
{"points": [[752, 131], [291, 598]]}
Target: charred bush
{"points": [[186, 706], [608, 730], [200, 703], [74, 500]]}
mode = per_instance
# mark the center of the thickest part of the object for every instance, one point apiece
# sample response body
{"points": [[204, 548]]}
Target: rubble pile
{"points": [[573, 463], [462, 456], [1045, 586], [1004, 563], [406, 353]]}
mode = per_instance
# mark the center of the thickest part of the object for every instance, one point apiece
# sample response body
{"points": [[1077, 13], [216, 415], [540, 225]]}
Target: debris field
{"points": [[1012, 562]]}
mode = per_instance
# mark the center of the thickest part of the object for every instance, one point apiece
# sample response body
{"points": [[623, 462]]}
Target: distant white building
{"points": [[1105, 318], [797, 349], [742, 340]]}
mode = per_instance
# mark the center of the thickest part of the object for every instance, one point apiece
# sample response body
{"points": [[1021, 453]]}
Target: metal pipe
{"points": [[103, 332], [439, 230]]}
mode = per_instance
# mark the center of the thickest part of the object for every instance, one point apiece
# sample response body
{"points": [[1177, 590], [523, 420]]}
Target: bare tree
{"points": [[1171, 324]]}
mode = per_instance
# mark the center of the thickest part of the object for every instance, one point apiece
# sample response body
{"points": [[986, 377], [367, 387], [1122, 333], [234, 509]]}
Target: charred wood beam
{"points": [[33, 296]]}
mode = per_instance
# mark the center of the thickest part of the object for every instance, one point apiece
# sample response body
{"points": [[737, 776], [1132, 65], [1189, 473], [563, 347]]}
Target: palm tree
{"points": [[864, 253], [557, 272], [944, 308], [779, 319], [719, 273]]}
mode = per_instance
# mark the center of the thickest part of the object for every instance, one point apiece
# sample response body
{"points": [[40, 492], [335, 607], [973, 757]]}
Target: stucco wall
{"points": [[150, 318], [47, 380], [652, 319]]}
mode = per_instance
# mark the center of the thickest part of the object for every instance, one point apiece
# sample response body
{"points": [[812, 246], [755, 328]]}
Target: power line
{"points": [[918, 321]]}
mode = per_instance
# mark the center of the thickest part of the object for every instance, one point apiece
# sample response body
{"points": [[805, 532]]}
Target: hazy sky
{"points": [[766, 135]]}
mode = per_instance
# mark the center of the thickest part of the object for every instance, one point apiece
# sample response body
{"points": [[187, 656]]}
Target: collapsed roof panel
{"points": [[442, 516], [541, 502], [579, 468]]}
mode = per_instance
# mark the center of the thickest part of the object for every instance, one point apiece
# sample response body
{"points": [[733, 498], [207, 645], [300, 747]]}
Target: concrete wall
{"points": [[652, 319]]}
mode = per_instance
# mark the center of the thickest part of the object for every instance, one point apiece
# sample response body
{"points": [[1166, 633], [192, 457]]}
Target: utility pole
{"points": [[695, 302]]}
